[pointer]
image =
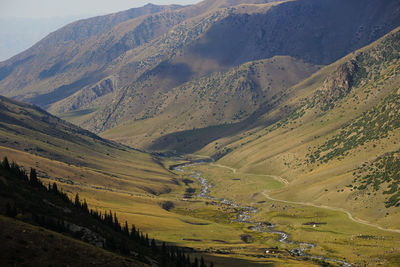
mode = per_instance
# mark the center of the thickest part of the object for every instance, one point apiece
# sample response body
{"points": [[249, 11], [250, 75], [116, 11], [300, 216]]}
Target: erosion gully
{"points": [[245, 213]]}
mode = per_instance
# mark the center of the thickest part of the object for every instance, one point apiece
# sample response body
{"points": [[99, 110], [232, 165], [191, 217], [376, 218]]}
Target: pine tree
{"points": [[85, 206], [196, 262], [77, 201], [11, 211], [188, 260], [110, 243], [172, 252], [133, 232], [108, 219], [137, 238], [142, 238], [33, 180], [60, 226], [55, 189], [180, 257], [124, 248], [117, 226], [202, 264], [164, 261], [5, 164], [126, 229], [153, 245]]}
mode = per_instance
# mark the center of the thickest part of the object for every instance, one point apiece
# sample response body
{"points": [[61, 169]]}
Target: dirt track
{"points": [[311, 204]]}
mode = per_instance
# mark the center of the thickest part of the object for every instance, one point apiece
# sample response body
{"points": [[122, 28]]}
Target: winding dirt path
{"points": [[244, 216], [279, 179], [308, 203], [223, 166], [334, 209]]}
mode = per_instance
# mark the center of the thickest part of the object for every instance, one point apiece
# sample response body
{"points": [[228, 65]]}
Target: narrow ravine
{"points": [[245, 213]]}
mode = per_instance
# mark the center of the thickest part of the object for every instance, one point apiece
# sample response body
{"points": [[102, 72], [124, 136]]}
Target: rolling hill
{"points": [[29, 132]]}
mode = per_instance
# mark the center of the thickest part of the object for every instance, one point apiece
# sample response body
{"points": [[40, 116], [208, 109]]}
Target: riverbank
{"points": [[335, 235], [244, 216]]}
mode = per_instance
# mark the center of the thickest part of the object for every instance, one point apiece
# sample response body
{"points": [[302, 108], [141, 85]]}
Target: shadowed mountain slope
{"points": [[236, 38], [220, 98], [118, 72]]}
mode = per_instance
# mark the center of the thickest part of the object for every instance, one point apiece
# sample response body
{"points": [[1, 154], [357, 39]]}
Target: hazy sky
{"points": [[64, 8]]}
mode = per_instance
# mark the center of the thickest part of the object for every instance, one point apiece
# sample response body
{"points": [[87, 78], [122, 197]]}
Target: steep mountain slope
{"points": [[77, 53], [220, 98], [30, 133], [118, 74], [80, 52], [235, 36], [334, 136]]}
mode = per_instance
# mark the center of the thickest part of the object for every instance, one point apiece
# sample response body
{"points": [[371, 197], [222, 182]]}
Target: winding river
{"points": [[244, 216]]}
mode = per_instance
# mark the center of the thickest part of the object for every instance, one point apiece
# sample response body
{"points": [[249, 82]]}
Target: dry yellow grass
{"points": [[191, 223], [339, 237]]}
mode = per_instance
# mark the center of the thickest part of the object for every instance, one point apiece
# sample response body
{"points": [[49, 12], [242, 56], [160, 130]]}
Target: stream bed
{"points": [[245, 213]]}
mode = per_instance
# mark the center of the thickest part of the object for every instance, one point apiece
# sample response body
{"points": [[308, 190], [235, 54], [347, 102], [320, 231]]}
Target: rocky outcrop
{"points": [[86, 235], [337, 85]]}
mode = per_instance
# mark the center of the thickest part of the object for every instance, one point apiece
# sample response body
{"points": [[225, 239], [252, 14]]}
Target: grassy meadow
{"points": [[335, 235]]}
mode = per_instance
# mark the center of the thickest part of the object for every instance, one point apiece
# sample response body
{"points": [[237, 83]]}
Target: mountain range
{"points": [[116, 70], [306, 91]]}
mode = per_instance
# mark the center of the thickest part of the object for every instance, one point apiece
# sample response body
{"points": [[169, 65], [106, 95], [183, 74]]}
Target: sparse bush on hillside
{"points": [[222, 153], [167, 205], [384, 170], [372, 125]]}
